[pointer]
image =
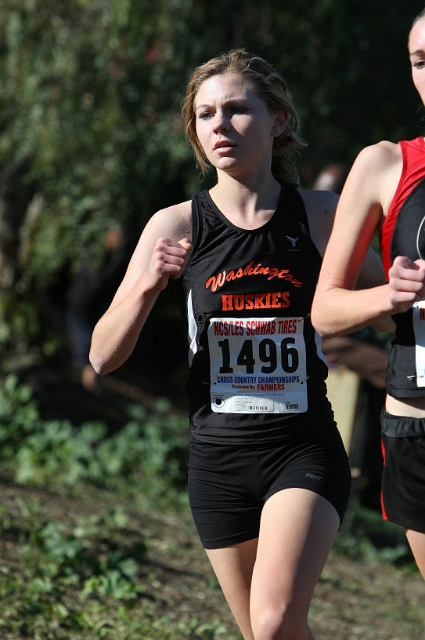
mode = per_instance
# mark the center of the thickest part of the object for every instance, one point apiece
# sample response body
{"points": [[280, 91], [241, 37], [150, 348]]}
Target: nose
{"points": [[221, 122]]}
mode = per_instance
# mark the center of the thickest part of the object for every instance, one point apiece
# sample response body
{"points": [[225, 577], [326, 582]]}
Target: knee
{"points": [[274, 623]]}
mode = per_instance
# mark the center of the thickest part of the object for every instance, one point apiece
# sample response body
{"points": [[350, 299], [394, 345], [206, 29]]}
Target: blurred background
{"points": [[91, 145]]}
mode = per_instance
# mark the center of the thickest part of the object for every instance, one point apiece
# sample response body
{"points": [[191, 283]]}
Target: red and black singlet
{"points": [[403, 234]]}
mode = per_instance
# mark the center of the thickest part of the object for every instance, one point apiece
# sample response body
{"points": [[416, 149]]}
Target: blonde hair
{"points": [[268, 85]]}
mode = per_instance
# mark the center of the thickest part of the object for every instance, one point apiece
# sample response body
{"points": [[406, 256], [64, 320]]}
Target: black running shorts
{"points": [[229, 484], [403, 478]]}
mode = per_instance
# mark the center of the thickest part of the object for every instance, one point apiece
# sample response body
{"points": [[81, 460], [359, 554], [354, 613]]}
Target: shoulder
{"points": [[173, 222], [377, 163], [375, 174], [320, 207], [380, 156]]}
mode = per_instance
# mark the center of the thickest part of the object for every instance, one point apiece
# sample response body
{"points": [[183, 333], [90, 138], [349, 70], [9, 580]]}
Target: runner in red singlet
{"points": [[386, 191]]}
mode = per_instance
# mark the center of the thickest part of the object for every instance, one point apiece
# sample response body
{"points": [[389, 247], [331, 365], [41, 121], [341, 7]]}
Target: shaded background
{"points": [[91, 138]]}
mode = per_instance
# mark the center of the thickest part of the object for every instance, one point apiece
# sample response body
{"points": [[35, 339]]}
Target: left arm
{"points": [[337, 308], [321, 207]]}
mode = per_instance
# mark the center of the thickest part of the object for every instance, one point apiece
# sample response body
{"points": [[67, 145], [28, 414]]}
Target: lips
{"points": [[223, 143]]}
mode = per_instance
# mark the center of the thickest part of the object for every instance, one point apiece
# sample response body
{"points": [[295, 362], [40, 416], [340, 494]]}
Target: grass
{"points": [[96, 541], [92, 563], [77, 567]]}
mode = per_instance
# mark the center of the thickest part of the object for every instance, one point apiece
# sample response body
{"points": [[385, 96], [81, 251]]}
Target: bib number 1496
{"points": [[268, 354]]}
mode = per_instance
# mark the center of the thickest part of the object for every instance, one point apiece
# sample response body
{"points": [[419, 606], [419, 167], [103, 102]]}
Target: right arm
{"points": [[338, 309], [162, 253]]}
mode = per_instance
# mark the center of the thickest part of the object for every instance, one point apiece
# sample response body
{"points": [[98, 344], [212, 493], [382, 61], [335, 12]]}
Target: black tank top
{"points": [[256, 368]]}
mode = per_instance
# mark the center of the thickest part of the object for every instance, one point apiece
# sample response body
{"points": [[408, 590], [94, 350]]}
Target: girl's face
{"points": [[417, 57], [234, 126]]}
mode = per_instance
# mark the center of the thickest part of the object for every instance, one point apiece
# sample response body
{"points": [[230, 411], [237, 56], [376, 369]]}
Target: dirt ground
{"points": [[353, 599]]}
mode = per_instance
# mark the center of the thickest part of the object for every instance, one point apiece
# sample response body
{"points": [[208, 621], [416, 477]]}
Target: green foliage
{"points": [[85, 556], [81, 572], [365, 537], [91, 93], [82, 580], [150, 450], [86, 101], [90, 99], [18, 415]]}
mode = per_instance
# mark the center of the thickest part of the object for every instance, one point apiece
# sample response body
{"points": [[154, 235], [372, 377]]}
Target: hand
{"points": [[407, 283], [169, 259]]}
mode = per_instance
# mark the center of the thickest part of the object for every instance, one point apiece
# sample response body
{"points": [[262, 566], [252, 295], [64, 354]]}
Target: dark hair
{"points": [[268, 85]]}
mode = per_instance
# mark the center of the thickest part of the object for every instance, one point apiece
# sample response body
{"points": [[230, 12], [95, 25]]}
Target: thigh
{"points": [[416, 541], [297, 530], [224, 494], [233, 567]]}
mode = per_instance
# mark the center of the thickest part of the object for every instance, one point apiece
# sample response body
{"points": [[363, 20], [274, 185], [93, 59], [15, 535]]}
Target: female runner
{"points": [[385, 190], [268, 478]]}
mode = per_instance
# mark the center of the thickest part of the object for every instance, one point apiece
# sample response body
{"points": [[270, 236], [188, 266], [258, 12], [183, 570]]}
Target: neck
{"points": [[246, 199]]}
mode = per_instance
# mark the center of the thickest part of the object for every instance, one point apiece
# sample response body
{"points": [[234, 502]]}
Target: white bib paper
{"points": [[258, 365], [418, 310]]}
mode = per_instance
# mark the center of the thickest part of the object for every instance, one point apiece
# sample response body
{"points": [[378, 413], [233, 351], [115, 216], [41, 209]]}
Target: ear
{"points": [[280, 122]]}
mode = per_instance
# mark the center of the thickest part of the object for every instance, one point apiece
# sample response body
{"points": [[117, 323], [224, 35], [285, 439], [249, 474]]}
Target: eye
{"points": [[205, 115], [419, 64], [238, 109]]}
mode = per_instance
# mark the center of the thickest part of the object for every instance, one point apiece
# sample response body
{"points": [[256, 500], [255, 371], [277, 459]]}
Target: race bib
{"points": [[258, 365], [418, 310]]}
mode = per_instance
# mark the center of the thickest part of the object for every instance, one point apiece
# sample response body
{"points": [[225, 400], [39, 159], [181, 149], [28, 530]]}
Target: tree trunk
{"points": [[16, 192]]}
